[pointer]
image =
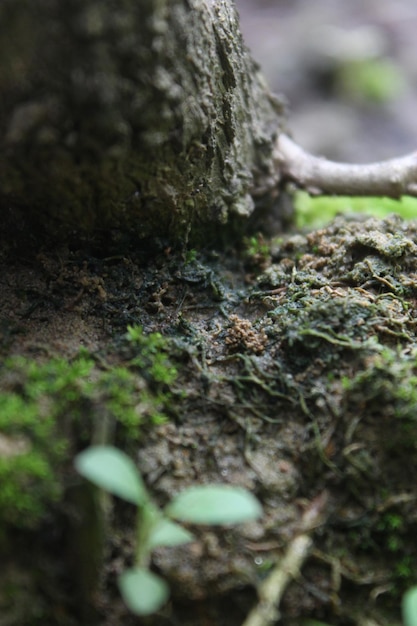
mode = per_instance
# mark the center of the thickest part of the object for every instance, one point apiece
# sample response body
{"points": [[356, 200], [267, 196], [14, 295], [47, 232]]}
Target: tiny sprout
{"points": [[409, 607], [111, 469]]}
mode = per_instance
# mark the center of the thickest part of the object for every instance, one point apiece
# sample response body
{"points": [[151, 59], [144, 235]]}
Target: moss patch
{"points": [[315, 212], [48, 409]]}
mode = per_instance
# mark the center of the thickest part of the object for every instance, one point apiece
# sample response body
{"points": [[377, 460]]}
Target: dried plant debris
{"points": [[242, 334]]}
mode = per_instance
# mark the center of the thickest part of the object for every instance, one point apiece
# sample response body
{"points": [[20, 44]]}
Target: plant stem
{"points": [[146, 518]]}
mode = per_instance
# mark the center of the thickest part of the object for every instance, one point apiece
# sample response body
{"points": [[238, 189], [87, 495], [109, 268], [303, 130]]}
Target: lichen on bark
{"points": [[147, 116]]}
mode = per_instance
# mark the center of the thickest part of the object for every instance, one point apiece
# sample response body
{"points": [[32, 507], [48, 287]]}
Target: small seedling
{"points": [[111, 469], [410, 607]]}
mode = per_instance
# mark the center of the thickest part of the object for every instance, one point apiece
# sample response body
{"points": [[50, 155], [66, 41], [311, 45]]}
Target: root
{"points": [[271, 590], [392, 178]]}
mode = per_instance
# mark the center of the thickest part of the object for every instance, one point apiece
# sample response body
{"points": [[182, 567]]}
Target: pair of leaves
{"points": [[112, 470]]}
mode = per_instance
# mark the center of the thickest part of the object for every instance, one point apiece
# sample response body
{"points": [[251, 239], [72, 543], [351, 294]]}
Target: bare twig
{"points": [[271, 590], [392, 178]]}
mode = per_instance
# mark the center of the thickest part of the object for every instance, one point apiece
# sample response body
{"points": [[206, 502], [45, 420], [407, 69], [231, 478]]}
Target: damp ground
{"points": [[288, 368]]}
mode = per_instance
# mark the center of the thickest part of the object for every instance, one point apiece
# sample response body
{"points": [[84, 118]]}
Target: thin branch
{"points": [[271, 590], [392, 178]]}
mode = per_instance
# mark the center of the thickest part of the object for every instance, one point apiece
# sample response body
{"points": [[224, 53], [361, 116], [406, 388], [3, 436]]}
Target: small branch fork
{"points": [[318, 176]]}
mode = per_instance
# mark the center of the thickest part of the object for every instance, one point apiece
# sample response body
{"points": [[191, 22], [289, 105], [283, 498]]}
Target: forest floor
{"points": [[288, 367], [292, 373]]}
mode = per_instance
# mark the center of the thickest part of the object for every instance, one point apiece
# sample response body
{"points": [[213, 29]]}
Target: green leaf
{"points": [[111, 469], [410, 607], [167, 533], [143, 592], [214, 504]]}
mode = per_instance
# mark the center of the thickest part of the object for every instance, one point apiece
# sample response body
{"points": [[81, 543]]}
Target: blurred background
{"points": [[348, 71]]}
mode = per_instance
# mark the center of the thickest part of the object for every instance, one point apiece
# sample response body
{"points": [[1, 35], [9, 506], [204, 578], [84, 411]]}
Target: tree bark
{"points": [[146, 116]]}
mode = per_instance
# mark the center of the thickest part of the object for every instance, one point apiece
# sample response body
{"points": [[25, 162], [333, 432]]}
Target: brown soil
{"points": [[296, 379]]}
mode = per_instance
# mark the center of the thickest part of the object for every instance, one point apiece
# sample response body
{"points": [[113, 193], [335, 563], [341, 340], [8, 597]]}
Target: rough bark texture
{"points": [[143, 115]]}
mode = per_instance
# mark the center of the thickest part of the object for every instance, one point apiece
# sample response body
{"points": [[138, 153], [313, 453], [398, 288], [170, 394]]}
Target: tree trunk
{"points": [[147, 116]]}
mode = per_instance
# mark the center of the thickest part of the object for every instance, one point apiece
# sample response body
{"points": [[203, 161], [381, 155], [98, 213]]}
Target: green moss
{"points": [[374, 80], [151, 355], [314, 212], [46, 409], [389, 380], [342, 335], [36, 403], [257, 250]]}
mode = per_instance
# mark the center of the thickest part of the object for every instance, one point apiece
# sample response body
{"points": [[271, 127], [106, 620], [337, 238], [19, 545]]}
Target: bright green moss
{"points": [[152, 355], [37, 402], [315, 212], [373, 80], [48, 409]]}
